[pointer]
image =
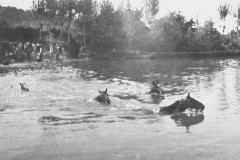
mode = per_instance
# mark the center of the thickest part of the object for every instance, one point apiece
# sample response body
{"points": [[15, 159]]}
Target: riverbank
{"points": [[153, 55], [47, 56]]}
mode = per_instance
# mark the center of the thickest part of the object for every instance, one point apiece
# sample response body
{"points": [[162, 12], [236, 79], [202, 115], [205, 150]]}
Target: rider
{"points": [[156, 88]]}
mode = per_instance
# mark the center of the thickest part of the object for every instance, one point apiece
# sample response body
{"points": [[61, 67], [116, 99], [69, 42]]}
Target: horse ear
{"points": [[100, 91], [105, 90]]}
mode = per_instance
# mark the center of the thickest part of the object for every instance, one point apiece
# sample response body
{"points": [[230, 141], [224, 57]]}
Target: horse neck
{"points": [[171, 108]]}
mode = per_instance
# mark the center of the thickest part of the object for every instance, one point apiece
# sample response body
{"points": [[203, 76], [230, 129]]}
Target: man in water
{"points": [[156, 89]]}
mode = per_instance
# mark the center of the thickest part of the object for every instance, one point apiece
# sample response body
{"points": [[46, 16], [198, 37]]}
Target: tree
{"points": [[106, 13], [209, 37], [152, 8], [60, 15], [45, 11], [224, 10], [66, 12], [38, 10], [85, 13], [237, 16], [103, 26], [3, 23], [167, 32], [50, 13], [14, 16], [131, 20]]}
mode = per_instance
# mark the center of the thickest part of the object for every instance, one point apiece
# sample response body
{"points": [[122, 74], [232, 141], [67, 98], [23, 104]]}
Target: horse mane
{"points": [[182, 105], [171, 108]]}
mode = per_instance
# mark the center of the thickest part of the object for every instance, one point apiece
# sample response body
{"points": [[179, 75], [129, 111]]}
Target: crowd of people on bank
{"points": [[12, 51]]}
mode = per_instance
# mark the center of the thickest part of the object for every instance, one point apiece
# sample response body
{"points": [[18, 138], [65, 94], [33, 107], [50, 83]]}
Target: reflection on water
{"points": [[59, 119], [187, 120]]}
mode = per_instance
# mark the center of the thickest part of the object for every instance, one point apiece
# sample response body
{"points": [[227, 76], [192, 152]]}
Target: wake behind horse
{"points": [[182, 105]]}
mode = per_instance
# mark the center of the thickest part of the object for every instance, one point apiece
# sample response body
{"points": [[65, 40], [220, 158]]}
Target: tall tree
{"points": [[102, 26], [107, 28], [237, 16], [60, 15], [85, 12], [152, 8], [106, 12], [50, 13], [224, 10], [38, 9], [45, 11], [66, 14], [168, 32], [212, 38], [131, 21]]}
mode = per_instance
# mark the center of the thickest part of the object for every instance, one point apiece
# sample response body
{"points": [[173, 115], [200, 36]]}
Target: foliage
{"points": [[101, 28], [237, 16], [211, 38], [18, 34], [106, 27], [224, 10], [86, 12], [15, 17], [152, 8], [65, 14], [131, 26], [169, 32]]}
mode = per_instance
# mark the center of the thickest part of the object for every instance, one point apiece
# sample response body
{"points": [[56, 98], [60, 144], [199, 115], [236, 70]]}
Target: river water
{"points": [[58, 118]]}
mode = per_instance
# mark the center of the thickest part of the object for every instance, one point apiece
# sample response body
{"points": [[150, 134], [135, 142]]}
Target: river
{"points": [[58, 118]]}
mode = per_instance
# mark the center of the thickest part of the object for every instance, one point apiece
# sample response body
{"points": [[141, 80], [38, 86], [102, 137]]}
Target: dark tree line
{"points": [[101, 28]]}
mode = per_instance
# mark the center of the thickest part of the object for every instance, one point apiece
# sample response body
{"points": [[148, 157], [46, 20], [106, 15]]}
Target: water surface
{"points": [[59, 119]]}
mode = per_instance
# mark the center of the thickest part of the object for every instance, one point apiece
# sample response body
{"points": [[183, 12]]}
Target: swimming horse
{"points": [[103, 97], [182, 105], [156, 90], [24, 87]]}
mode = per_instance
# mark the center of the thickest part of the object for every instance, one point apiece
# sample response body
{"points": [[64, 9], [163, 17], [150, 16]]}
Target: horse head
{"points": [[182, 105], [24, 87], [155, 83], [103, 97], [192, 103], [156, 89]]}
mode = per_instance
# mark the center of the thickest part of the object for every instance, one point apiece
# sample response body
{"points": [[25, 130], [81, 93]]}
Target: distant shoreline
{"points": [[153, 55]]}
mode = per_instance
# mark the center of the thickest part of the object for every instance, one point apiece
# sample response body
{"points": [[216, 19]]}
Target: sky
{"points": [[197, 9]]}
